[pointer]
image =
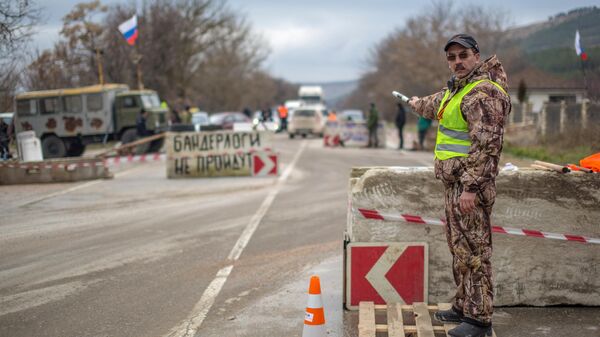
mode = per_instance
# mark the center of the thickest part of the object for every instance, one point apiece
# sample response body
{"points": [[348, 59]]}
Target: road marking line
{"points": [[78, 187], [191, 325]]}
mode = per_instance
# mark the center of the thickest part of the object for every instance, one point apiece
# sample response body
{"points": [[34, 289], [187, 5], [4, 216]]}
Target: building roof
{"points": [[73, 91]]}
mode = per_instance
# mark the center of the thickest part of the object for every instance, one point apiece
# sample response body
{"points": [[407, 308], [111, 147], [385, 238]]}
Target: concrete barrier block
{"points": [[527, 270], [53, 171]]}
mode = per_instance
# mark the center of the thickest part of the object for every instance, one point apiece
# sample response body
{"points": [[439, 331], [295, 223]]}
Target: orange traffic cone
{"points": [[314, 318]]}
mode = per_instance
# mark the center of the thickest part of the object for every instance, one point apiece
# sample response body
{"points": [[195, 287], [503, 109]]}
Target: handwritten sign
{"points": [[214, 153], [352, 134]]}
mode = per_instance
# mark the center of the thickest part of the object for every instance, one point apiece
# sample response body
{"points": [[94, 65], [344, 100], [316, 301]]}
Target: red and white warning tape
{"points": [[377, 215], [147, 157], [51, 166]]}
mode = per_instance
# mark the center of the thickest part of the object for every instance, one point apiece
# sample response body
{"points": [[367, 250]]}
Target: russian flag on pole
{"points": [[578, 49], [129, 30]]}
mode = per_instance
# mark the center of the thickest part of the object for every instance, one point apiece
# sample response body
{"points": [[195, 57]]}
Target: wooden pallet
{"points": [[402, 320]]}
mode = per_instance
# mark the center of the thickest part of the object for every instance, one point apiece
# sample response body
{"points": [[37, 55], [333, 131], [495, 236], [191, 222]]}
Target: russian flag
{"points": [[129, 30], [580, 52]]}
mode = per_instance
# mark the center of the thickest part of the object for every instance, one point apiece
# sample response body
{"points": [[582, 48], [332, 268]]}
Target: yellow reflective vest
{"points": [[453, 138]]}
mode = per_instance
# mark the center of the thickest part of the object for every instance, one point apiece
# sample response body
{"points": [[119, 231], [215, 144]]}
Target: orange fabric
{"points": [[317, 315], [315, 286], [283, 111], [592, 162], [332, 117]]}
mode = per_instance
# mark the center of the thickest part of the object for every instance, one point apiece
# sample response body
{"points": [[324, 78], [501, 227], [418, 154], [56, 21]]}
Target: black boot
{"points": [[450, 315], [470, 330]]}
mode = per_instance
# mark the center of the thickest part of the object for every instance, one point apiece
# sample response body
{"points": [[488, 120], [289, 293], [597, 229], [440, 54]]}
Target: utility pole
{"points": [[99, 61]]}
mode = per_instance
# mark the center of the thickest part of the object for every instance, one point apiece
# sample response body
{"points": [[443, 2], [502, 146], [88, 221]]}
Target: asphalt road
{"points": [[142, 255]]}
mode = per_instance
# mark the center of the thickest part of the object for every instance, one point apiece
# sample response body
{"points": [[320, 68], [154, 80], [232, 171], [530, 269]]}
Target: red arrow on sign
{"points": [[386, 273], [258, 164], [264, 164]]}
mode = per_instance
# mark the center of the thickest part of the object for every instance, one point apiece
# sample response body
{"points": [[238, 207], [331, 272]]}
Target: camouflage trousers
{"points": [[470, 240]]}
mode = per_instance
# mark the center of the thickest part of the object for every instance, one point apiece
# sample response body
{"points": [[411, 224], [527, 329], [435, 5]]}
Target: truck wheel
{"points": [[76, 149], [53, 147], [304, 135], [292, 135], [129, 136]]}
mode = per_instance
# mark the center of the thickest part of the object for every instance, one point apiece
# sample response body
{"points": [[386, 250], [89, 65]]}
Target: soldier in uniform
{"points": [[471, 113]]}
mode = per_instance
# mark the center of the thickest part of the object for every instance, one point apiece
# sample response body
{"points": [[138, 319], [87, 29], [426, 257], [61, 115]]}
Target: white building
{"points": [[543, 87]]}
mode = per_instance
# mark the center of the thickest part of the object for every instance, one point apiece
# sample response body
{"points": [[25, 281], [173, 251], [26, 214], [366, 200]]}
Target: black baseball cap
{"points": [[464, 40]]}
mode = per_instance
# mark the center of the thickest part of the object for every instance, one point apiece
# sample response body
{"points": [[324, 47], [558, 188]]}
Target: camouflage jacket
{"points": [[485, 109]]}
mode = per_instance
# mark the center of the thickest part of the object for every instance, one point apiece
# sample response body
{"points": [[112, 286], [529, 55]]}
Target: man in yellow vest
{"points": [[471, 111]]}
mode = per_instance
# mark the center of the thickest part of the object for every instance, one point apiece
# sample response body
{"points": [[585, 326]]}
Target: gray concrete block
{"points": [[528, 270], [53, 171]]}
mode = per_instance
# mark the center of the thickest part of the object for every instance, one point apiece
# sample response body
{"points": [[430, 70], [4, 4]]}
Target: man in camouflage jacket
{"points": [[469, 179]]}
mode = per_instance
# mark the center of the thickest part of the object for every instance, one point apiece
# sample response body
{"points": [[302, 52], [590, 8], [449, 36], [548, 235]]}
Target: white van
{"points": [[307, 120]]}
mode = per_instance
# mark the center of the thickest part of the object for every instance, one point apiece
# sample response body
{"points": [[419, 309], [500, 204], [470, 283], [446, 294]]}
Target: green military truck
{"points": [[66, 120]]}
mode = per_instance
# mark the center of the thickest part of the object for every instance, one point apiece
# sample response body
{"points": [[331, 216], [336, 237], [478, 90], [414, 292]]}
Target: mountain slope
{"points": [[559, 31]]}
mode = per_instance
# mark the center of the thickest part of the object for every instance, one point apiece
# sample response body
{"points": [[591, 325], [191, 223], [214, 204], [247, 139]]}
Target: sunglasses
{"points": [[463, 56]]}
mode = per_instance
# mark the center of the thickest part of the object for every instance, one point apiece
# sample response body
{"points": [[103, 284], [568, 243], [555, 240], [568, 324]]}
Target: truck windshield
{"points": [[311, 99], [150, 101]]}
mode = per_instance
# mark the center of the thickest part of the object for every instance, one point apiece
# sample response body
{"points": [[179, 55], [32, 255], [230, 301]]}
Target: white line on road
{"points": [[78, 187], [189, 327]]}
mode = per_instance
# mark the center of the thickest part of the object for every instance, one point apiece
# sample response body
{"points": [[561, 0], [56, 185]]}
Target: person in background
{"points": [[4, 140], [400, 121], [423, 125], [372, 122], [186, 115], [266, 114], [247, 112], [283, 115], [140, 124], [332, 116], [175, 119]]}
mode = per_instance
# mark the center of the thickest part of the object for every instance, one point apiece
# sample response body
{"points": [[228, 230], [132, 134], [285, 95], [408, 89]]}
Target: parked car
{"points": [[200, 119], [226, 119], [307, 120], [352, 115]]}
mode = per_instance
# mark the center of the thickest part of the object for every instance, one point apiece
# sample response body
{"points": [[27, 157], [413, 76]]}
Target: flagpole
{"points": [[99, 61], [130, 30], [584, 78], [138, 67], [581, 53]]}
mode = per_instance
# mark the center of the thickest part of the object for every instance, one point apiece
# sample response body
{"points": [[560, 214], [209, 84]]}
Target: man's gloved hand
{"points": [[413, 102]]}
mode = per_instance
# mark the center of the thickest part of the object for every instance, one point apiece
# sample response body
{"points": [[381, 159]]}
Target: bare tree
{"points": [[17, 18], [73, 60], [83, 36], [411, 59], [196, 52]]}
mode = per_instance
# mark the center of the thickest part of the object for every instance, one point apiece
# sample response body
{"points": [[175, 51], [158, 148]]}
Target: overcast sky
{"points": [[322, 40]]}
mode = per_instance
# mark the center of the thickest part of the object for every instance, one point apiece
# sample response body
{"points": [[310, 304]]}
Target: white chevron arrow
{"points": [[376, 276], [269, 164]]}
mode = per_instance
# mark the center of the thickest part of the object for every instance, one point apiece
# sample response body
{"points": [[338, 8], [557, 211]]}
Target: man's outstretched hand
{"points": [[413, 102]]}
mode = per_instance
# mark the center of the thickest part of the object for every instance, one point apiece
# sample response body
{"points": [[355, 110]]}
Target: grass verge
{"points": [[557, 156]]}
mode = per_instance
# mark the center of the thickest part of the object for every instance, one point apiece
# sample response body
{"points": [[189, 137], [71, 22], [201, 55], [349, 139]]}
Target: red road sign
{"points": [[264, 164], [386, 273]]}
